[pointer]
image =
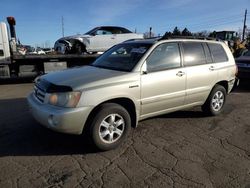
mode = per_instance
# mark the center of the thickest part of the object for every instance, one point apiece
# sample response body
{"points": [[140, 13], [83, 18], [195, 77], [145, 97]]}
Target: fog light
{"points": [[53, 121]]}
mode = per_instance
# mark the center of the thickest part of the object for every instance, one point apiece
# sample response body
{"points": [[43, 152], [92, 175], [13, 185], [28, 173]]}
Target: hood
{"points": [[88, 76]]}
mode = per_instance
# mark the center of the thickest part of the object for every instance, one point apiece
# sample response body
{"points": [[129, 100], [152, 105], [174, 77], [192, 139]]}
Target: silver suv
{"points": [[133, 81]]}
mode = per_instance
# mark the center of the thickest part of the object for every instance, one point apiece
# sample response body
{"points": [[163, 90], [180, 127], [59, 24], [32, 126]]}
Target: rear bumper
{"points": [[236, 84], [66, 120]]}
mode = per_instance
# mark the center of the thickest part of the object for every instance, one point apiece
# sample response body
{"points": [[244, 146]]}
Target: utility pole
{"points": [[244, 26], [62, 26]]}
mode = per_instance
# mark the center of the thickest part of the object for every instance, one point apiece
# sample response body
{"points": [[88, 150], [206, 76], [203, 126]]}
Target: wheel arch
{"points": [[126, 103], [73, 42], [224, 84]]}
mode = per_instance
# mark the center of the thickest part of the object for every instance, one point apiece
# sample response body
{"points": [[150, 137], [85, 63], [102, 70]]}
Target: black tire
{"points": [[215, 102], [103, 124]]}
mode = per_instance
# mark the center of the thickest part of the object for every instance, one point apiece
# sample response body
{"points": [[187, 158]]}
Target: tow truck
{"points": [[14, 64]]}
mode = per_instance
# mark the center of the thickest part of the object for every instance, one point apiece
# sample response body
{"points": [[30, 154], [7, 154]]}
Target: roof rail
{"points": [[188, 37], [129, 40], [135, 39]]}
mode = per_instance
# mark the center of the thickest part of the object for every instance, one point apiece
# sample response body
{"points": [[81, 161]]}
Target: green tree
{"points": [[186, 32], [176, 32], [167, 34]]}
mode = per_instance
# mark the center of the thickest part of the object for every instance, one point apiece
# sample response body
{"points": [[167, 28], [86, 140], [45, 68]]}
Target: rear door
{"points": [[200, 70], [163, 83], [221, 61]]}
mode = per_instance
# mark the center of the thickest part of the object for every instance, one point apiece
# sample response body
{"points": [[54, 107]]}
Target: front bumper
{"points": [[66, 120]]}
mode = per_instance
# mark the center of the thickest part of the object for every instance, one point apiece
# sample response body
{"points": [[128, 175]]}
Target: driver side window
{"points": [[165, 56], [103, 32]]}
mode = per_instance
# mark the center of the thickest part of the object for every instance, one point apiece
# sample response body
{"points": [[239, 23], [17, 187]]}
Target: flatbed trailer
{"points": [[13, 64]]}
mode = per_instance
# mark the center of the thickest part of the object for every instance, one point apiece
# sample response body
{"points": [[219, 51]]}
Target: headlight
{"points": [[65, 99]]}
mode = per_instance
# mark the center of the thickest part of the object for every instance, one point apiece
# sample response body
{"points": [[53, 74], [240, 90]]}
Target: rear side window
{"points": [[193, 53], [218, 52], [207, 53]]}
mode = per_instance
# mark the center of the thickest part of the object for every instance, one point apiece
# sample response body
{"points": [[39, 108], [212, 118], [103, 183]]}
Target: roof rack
{"points": [[151, 38], [188, 37], [129, 40]]}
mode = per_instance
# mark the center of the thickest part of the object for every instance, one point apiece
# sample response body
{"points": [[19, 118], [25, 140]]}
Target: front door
{"points": [[163, 82]]}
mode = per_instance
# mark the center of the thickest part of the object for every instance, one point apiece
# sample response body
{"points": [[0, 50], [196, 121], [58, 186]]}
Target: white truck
{"points": [[14, 64]]}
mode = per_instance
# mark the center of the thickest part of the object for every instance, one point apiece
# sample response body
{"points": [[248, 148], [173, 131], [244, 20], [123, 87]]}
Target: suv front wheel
{"points": [[215, 101], [110, 126]]}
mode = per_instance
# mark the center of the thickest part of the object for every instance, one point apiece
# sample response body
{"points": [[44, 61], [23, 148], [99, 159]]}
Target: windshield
{"points": [[122, 57], [92, 31]]}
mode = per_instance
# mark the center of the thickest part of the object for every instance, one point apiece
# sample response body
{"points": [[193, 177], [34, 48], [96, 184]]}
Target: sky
{"points": [[39, 23]]}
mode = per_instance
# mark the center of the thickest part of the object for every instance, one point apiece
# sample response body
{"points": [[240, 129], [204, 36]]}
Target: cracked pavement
{"points": [[181, 149]]}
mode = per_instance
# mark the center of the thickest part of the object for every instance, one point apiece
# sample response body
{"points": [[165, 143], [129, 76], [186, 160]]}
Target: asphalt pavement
{"points": [[181, 149]]}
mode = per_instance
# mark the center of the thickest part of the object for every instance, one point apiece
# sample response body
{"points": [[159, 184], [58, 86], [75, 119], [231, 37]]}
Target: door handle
{"points": [[211, 68], [180, 73]]}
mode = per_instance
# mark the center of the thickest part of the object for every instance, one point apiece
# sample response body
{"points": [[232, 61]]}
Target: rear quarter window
{"points": [[218, 52]]}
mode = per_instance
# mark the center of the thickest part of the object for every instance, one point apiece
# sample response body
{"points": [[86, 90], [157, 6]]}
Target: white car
{"points": [[37, 51], [96, 40]]}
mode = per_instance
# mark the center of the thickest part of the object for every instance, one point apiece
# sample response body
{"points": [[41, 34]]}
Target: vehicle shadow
{"points": [[189, 113], [21, 135], [196, 112], [16, 80]]}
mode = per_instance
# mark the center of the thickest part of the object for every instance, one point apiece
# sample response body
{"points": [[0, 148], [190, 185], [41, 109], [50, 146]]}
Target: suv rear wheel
{"points": [[110, 126], [215, 101]]}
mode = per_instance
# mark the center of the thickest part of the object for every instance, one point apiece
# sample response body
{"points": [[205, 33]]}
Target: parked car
{"points": [[48, 50], [37, 51], [98, 39], [133, 81], [243, 63]]}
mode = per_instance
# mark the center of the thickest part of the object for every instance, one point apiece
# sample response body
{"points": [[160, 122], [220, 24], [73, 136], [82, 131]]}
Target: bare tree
{"points": [[147, 34]]}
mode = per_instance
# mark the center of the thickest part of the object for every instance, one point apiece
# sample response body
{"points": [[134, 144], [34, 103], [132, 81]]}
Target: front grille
{"points": [[40, 89], [39, 94]]}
